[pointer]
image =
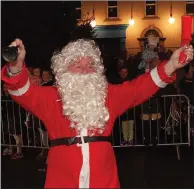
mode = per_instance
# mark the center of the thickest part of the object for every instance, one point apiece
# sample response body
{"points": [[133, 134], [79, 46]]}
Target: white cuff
{"points": [[20, 91], [156, 78]]}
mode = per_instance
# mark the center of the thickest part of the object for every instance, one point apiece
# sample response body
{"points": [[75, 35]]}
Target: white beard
{"points": [[83, 97]]}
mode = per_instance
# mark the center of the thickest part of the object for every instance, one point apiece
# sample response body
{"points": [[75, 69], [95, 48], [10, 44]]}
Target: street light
{"points": [[171, 20], [93, 23], [131, 20]]}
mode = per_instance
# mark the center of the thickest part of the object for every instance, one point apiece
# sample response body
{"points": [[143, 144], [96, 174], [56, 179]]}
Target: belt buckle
{"points": [[80, 142]]}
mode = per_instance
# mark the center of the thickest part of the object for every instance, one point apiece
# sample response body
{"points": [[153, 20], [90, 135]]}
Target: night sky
{"points": [[43, 26]]}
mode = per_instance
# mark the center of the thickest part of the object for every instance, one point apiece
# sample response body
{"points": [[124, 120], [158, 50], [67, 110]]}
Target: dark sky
{"points": [[43, 27]]}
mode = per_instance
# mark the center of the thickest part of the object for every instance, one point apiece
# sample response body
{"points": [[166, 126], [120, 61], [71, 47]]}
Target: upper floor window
{"points": [[190, 7], [150, 8], [112, 9], [78, 9]]}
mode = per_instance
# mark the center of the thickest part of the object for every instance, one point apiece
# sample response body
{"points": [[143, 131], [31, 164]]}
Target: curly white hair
{"points": [[74, 50]]}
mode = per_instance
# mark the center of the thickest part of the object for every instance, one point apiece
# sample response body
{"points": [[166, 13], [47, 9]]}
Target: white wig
{"points": [[75, 50]]}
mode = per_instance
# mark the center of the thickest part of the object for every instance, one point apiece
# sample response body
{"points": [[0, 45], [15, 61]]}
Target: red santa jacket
{"points": [[89, 165]]}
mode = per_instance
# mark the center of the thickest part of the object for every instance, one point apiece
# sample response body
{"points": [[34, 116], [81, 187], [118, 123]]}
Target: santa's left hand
{"points": [[173, 64]]}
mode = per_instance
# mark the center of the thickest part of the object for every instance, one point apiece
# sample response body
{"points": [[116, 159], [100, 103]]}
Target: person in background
{"points": [[47, 78], [188, 83], [126, 119], [153, 42], [37, 72], [13, 123], [192, 68], [123, 73], [120, 63], [5, 122], [150, 111], [149, 60], [30, 71], [37, 76]]}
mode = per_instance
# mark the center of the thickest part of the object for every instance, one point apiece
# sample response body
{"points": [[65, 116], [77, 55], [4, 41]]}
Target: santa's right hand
{"points": [[21, 53]]}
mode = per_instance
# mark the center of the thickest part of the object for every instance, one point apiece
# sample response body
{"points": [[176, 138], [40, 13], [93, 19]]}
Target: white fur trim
{"points": [[156, 78], [84, 177], [20, 91]]}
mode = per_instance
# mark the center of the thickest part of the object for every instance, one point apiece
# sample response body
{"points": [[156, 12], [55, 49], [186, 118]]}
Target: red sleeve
{"points": [[135, 92], [31, 97]]}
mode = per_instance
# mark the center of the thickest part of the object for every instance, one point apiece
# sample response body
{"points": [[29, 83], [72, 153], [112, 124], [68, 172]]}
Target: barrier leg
{"points": [[178, 152]]}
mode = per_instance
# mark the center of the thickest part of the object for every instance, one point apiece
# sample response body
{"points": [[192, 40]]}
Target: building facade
{"points": [[114, 33]]}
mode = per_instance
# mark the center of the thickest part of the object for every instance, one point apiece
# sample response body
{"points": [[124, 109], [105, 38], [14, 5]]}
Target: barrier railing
{"points": [[160, 121]]}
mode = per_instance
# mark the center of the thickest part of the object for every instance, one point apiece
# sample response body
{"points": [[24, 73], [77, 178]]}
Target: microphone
{"points": [[10, 54]]}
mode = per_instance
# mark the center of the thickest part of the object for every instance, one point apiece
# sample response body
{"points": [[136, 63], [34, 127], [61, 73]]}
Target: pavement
{"points": [[138, 167]]}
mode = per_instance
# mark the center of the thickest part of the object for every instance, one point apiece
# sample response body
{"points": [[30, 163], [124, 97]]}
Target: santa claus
{"points": [[80, 111]]}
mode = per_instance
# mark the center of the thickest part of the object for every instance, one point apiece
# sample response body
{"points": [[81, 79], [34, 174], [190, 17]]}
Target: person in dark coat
{"points": [[126, 121]]}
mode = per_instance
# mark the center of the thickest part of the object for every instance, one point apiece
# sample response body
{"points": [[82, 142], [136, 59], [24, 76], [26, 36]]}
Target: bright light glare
{"points": [[171, 20], [93, 23], [131, 22]]}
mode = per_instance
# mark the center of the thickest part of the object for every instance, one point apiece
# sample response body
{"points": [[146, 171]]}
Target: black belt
{"points": [[74, 140]]}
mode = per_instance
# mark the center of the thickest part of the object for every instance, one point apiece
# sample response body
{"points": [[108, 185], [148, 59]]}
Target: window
{"points": [[190, 7], [78, 9], [151, 8], [112, 9]]}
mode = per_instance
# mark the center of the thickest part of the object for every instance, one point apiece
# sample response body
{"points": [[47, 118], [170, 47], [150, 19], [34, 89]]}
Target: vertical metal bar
{"points": [[41, 135], [135, 125], [7, 110], [33, 129], [27, 117], [173, 121], [150, 124], [47, 139], [165, 136], [21, 125], [14, 122], [120, 130], [2, 127], [189, 127], [178, 152], [180, 113], [113, 142], [158, 130], [142, 125], [127, 113], [150, 129]]}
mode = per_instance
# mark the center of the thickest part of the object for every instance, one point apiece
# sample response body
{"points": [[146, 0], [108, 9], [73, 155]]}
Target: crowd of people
{"points": [[151, 112]]}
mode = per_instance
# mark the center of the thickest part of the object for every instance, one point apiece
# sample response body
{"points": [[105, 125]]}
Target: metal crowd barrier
{"points": [[158, 122]]}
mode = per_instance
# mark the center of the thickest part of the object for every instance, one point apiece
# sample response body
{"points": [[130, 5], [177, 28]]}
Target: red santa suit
{"points": [[89, 165]]}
